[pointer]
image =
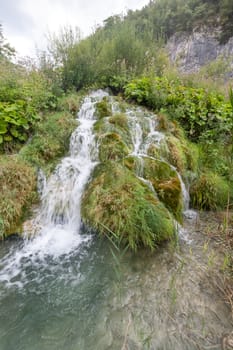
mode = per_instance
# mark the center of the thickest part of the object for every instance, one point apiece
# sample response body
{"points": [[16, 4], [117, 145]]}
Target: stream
{"points": [[68, 289]]}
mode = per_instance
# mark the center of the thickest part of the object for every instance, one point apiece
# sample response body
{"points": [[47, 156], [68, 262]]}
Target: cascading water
{"points": [[62, 290], [141, 144], [57, 225], [61, 199]]}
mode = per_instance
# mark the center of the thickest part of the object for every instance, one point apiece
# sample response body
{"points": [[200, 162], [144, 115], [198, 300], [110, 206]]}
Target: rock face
{"points": [[192, 51]]}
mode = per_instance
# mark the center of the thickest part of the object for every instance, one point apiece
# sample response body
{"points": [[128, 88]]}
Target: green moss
{"points": [[18, 185], [71, 102], [103, 108], [119, 120], [176, 155], [130, 162], [164, 180], [158, 151], [50, 142], [116, 200], [209, 192], [112, 147], [166, 183], [101, 126]]}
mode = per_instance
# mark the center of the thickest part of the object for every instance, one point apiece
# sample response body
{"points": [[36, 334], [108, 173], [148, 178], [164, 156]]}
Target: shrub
{"points": [[209, 192]]}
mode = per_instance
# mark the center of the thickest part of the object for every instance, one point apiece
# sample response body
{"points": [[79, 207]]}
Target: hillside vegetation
{"points": [[127, 54]]}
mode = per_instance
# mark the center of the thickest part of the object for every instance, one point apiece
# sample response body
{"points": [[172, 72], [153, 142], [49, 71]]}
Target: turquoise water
{"points": [[88, 300], [55, 303], [63, 290]]}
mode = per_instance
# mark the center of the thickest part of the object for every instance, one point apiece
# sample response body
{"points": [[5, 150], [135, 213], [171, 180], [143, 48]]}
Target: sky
{"points": [[26, 22]]}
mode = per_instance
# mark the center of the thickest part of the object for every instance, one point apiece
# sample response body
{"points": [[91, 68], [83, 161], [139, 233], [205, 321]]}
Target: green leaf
{"points": [[3, 128], [8, 138], [14, 132]]}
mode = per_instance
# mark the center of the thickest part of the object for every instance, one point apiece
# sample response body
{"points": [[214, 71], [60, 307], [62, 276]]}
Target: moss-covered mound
{"points": [[17, 183], [112, 147], [103, 108], [50, 141], [116, 200], [209, 192], [116, 124], [164, 180]]}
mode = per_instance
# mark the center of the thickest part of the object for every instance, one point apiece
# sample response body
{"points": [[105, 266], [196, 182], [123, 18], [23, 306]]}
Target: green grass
{"points": [[18, 185], [17, 172], [210, 191], [116, 200], [50, 142]]}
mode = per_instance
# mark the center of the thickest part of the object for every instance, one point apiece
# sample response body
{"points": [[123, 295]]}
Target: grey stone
{"points": [[191, 51]]}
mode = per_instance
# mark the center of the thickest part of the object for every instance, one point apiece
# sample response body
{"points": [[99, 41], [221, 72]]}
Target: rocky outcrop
{"points": [[192, 51]]}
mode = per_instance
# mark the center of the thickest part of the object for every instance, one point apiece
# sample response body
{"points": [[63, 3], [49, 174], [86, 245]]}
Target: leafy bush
{"points": [[24, 93], [15, 120], [205, 116]]}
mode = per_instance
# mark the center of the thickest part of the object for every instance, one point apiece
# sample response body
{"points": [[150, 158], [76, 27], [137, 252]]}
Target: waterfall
{"points": [[141, 142], [61, 199]]}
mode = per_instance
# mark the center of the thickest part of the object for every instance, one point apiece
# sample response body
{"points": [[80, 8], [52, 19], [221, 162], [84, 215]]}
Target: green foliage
{"points": [[217, 69], [112, 147], [17, 183], [205, 116], [103, 109], [24, 93], [166, 184], [209, 192], [50, 141], [119, 120], [6, 51], [117, 201], [15, 119]]}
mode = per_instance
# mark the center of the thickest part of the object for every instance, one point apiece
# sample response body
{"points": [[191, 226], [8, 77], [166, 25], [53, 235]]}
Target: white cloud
{"points": [[25, 22]]}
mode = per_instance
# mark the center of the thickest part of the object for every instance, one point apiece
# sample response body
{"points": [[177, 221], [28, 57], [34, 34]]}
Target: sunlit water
{"points": [[67, 289]]}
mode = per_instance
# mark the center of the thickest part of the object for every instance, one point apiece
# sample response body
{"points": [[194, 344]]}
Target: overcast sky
{"points": [[25, 22]]}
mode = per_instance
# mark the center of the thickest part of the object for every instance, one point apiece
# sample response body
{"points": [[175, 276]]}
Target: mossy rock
{"points": [[117, 124], [112, 147], [18, 190], [103, 108], [117, 202], [209, 192], [158, 151], [176, 155], [120, 120], [166, 183]]}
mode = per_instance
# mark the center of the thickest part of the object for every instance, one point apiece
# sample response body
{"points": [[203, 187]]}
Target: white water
{"points": [[58, 223], [60, 217], [57, 292], [141, 144]]}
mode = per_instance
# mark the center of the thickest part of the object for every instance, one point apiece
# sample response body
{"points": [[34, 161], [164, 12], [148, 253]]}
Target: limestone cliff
{"points": [[192, 51]]}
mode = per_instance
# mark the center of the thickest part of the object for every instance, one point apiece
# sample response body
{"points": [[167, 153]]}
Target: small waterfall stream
{"points": [[62, 289], [142, 143], [61, 198]]}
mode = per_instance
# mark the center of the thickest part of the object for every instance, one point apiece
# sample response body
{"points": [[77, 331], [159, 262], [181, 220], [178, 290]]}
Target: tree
{"points": [[60, 47], [6, 51]]}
